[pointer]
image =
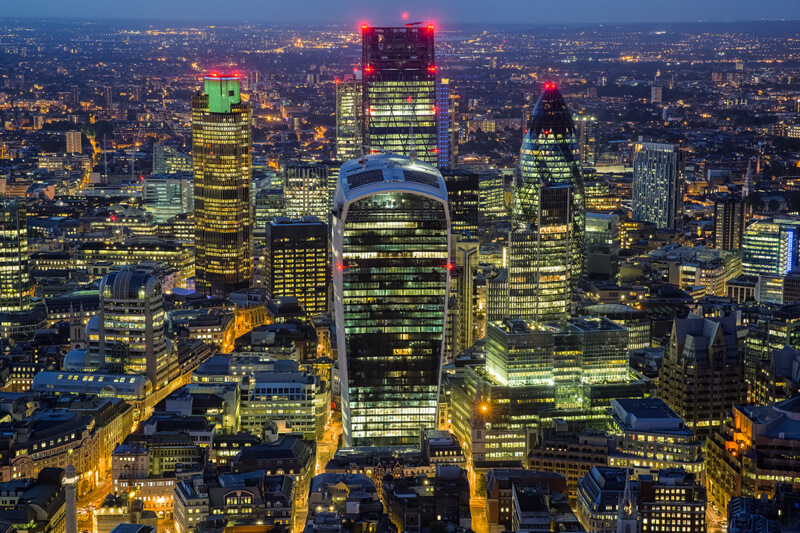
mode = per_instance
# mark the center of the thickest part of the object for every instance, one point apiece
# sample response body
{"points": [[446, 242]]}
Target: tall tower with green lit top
{"points": [[546, 245], [222, 158]]}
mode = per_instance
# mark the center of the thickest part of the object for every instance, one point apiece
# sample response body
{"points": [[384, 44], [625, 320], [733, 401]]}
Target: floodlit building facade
{"points": [[222, 146]]}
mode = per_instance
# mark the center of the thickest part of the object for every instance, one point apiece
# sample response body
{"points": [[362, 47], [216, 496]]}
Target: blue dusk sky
{"points": [[388, 12]]}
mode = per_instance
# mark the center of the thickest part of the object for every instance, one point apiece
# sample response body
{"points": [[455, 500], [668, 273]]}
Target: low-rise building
{"points": [[242, 499], [672, 500], [570, 454], [649, 436], [500, 491], [414, 503], [34, 505], [754, 451]]}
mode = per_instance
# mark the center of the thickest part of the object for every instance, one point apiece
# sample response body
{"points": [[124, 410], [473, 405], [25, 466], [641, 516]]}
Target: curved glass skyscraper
{"points": [[390, 247], [546, 245]]}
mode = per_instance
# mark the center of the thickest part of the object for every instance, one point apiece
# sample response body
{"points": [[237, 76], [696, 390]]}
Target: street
{"points": [[90, 501], [477, 507]]}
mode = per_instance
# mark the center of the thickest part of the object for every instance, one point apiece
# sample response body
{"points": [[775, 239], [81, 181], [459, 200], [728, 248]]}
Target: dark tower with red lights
{"points": [[399, 90]]}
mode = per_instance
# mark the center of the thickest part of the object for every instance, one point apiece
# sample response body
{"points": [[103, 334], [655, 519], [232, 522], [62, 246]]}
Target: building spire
{"points": [[626, 512]]}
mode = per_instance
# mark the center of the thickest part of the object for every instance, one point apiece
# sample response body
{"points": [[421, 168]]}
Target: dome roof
{"points": [[128, 284], [551, 116]]}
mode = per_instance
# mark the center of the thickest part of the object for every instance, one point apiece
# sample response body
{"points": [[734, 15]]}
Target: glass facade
{"points": [[390, 286], [349, 119], [132, 336], [546, 244], [222, 146], [14, 278], [658, 185], [770, 247], [463, 196], [305, 190], [399, 90], [297, 262]]}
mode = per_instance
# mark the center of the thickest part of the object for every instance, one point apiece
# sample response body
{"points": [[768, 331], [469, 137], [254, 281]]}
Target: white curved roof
{"points": [[66, 382], [387, 172]]}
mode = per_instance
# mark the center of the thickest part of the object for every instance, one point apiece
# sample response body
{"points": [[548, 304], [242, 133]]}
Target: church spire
{"points": [[626, 512]]}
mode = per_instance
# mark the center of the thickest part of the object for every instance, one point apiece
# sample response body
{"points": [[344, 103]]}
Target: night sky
{"points": [[388, 12]]}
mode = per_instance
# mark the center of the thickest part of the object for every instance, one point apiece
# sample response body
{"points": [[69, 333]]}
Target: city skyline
{"points": [[345, 276], [449, 11]]}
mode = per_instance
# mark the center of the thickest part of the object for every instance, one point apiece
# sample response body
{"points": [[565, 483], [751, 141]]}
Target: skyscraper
{"points": [[587, 139], [399, 90], [391, 228], [297, 262], [546, 245], [446, 127], [728, 223], [131, 326], [305, 190], [222, 145], [14, 278], [463, 192], [658, 184], [349, 118]]}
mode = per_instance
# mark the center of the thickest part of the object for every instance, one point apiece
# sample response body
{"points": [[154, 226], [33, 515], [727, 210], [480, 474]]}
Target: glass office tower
{"points": [[131, 326], [14, 279], [349, 118], [658, 184], [399, 90], [222, 156], [305, 190], [297, 262], [546, 244], [390, 247]]}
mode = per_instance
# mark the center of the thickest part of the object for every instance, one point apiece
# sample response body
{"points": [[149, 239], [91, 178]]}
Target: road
{"points": [[477, 506], [90, 501], [715, 522]]}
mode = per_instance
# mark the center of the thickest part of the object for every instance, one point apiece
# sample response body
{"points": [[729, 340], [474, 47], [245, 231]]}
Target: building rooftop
{"points": [[651, 415], [380, 172]]}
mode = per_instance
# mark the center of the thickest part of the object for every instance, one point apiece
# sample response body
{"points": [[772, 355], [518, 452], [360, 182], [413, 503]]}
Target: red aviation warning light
{"points": [[550, 86], [368, 69], [430, 27], [405, 15], [432, 69]]}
